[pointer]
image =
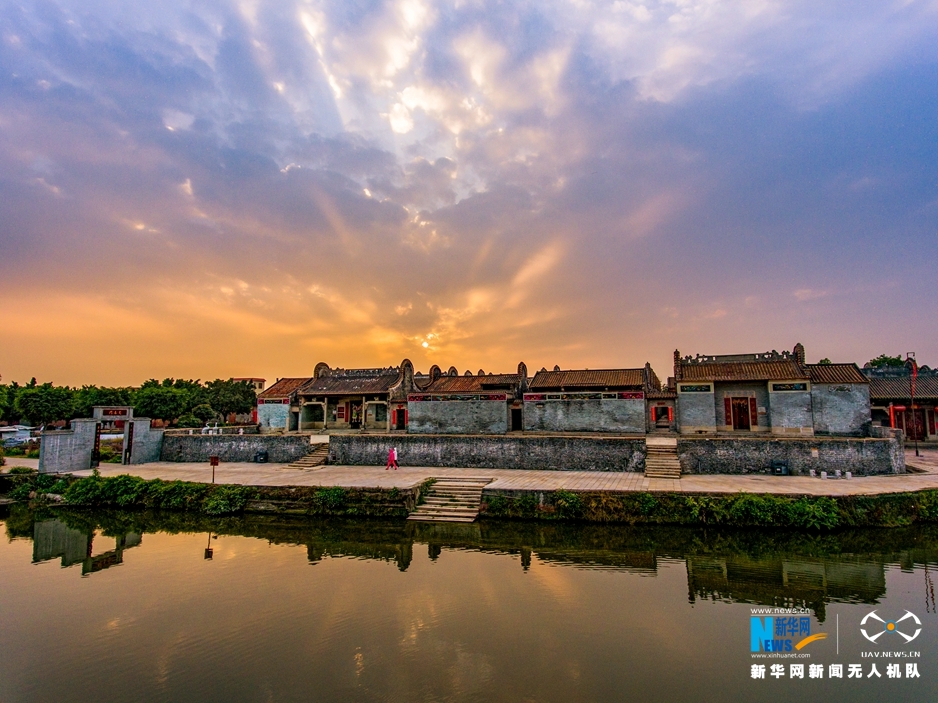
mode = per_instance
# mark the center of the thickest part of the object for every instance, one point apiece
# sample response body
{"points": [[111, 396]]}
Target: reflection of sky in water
{"points": [[589, 619]]}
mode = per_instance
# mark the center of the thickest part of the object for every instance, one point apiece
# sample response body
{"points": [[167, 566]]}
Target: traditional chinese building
{"points": [[771, 392], [891, 400], [278, 407], [355, 399], [468, 404], [599, 400]]}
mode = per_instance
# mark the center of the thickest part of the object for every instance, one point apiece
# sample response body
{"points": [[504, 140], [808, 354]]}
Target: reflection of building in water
{"points": [[401, 553], [643, 563], [54, 539], [785, 582]]}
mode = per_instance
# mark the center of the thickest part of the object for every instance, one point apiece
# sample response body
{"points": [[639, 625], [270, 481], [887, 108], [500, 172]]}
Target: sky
{"points": [[214, 189]]}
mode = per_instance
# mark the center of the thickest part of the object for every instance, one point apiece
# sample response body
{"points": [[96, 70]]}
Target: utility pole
{"points": [[910, 357]]}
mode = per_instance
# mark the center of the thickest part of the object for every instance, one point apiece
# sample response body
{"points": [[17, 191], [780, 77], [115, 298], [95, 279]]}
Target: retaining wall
{"points": [[493, 452], [864, 457], [280, 448]]}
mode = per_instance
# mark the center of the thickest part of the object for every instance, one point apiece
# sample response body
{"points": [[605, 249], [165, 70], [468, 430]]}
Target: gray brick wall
{"points": [[458, 417], [272, 415], [62, 451], [790, 409], [696, 410], [148, 443], [607, 415], [842, 409]]}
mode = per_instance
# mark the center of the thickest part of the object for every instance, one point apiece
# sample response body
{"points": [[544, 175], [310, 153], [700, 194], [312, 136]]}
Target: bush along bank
{"points": [[132, 492], [733, 510]]}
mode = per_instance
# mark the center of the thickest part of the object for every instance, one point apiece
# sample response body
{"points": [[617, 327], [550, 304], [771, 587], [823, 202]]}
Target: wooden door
{"points": [[915, 422], [741, 420]]}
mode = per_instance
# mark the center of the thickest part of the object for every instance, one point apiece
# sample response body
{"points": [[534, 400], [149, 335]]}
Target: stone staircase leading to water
{"points": [[451, 499], [661, 458], [316, 457]]}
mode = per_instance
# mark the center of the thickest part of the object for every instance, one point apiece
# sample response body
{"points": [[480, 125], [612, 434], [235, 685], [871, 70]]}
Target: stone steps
{"points": [[451, 500], [317, 457], [661, 459]]}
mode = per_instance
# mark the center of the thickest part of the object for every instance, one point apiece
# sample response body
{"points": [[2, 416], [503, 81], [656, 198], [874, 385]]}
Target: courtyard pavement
{"points": [[250, 474]]}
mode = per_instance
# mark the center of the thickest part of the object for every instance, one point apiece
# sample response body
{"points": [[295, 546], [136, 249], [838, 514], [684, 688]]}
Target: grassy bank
{"points": [[132, 492], [737, 510]]}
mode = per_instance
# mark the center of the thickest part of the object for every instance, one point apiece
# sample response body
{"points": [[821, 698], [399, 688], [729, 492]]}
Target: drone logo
{"points": [[891, 626]]}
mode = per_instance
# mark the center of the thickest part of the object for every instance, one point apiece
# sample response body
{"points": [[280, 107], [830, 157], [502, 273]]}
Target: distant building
{"points": [[17, 433], [771, 392], [891, 400], [256, 383]]}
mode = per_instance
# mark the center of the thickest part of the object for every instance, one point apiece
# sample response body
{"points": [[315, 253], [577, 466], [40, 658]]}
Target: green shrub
{"points": [[330, 499], [175, 495], [225, 500], [568, 504], [19, 470], [21, 491]]}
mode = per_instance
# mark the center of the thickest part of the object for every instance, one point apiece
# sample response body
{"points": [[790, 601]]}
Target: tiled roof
{"points": [[836, 373], [284, 388], [743, 371], [885, 389], [352, 383], [471, 384], [600, 378], [661, 395]]}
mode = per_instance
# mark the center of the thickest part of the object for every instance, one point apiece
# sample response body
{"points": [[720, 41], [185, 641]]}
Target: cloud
{"points": [[298, 181]]}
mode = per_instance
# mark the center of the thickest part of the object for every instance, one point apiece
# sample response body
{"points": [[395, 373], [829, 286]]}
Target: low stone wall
{"points": [[280, 448], [547, 452], [864, 457]]}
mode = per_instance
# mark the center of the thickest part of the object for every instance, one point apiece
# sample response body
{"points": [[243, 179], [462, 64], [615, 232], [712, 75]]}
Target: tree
{"points": [[231, 396], [5, 409], [203, 413], [7, 398], [826, 361], [193, 392], [85, 398], [886, 360], [44, 404], [159, 403]]}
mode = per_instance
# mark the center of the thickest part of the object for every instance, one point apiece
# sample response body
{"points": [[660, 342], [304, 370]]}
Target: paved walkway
{"points": [[511, 479]]}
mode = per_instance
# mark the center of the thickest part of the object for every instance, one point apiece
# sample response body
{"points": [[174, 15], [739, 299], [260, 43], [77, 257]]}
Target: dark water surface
{"points": [[125, 607]]}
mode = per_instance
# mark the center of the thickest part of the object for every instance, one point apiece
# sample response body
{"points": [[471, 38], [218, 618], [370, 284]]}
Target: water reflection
{"points": [[334, 610], [54, 539], [782, 569]]}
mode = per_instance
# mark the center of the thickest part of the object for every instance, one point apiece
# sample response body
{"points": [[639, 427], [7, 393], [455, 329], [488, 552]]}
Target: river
{"points": [[130, 606]]}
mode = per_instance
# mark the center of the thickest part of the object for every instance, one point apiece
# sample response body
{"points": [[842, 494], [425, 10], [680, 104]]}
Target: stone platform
{"points": [[520, 480]]}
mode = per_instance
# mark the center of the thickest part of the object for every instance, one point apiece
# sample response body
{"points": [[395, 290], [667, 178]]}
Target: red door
{"points": [[741, 419]]}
